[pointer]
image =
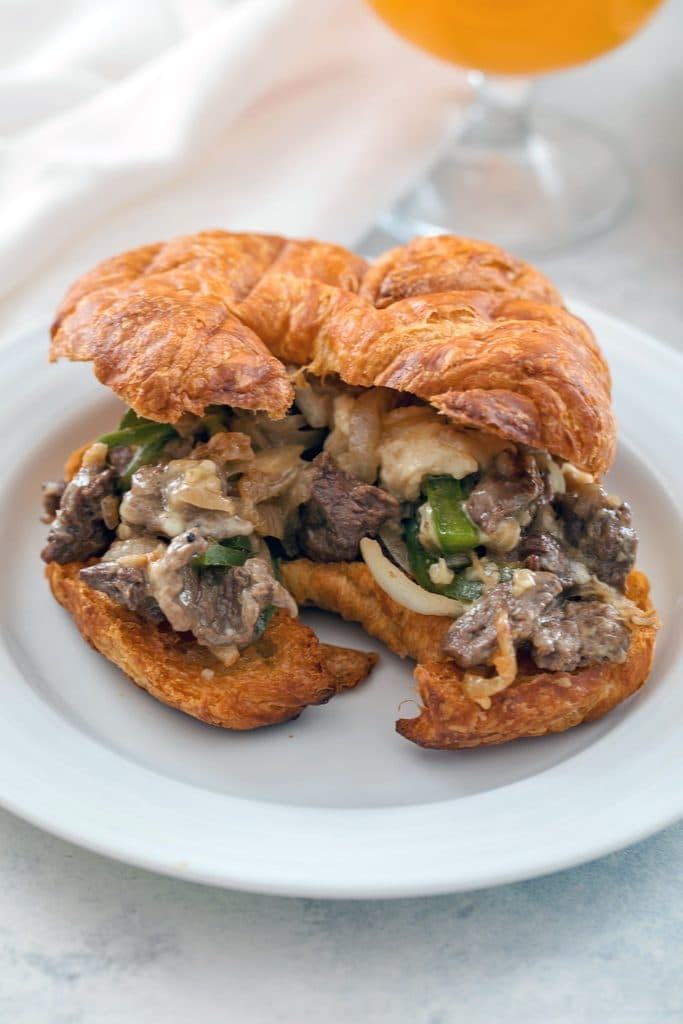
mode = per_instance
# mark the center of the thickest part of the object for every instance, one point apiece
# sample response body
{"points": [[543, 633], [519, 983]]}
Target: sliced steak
{"points": [[126, 585], [341, 511], [472, 639], [52, 495], [573, 634], [599, 527], [219, 605], [119, 458], [511, 485], [79, 530], [545, 553]]}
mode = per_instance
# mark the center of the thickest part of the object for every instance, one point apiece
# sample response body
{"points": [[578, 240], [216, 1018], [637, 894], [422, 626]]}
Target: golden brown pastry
{"points": [[177, 327], [496, 350], [159, 327], [348, 589], [283, 671], [437, 480], [535, 704], [278, 676]]}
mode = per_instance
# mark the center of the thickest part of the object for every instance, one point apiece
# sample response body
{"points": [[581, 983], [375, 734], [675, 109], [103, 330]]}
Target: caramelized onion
{"points": [[481, 688]]}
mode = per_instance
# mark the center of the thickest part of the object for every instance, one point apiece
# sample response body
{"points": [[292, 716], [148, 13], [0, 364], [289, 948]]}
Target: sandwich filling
{"points": [[185, 525]]}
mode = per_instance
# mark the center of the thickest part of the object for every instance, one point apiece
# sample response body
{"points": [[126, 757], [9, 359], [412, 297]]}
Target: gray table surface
{"points": [[83, 939]]}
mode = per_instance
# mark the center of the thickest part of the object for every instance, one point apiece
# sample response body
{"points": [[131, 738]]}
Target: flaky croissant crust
{"points": [[537, 703], [212, 318], [274, 680], [276, 677]]}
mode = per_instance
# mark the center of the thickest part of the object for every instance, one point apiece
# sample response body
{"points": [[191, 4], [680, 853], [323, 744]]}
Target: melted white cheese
{"points": [[440, 574], [416, 442]]}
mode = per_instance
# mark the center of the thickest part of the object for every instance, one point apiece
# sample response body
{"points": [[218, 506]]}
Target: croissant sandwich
{"points": [[416, 445]]}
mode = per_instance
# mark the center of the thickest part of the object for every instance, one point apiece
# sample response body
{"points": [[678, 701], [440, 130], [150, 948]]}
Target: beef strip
{"points": [[220, 606], [599, 527], [545, 553], [52, 495], [119, 459], [178, 448], [79, 530], [511, 485], [124, 584], [472, 639], [573, 634], [341, 511]]}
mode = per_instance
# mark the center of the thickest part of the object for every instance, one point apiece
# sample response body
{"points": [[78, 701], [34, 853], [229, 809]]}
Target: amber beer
{"points": [[516, 37]]}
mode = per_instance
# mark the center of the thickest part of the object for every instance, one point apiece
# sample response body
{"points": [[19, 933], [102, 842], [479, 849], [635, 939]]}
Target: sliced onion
{"points": [[402, 589]]}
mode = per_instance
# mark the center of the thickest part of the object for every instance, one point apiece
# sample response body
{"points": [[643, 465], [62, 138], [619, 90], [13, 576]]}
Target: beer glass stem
{"points": [[500, 112], [530, 180]]}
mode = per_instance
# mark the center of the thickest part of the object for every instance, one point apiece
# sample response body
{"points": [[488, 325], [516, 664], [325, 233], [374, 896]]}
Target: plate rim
{"points": [[125, 849]]}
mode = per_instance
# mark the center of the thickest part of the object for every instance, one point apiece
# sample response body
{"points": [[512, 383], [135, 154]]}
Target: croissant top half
{"points": [[212, 318]]}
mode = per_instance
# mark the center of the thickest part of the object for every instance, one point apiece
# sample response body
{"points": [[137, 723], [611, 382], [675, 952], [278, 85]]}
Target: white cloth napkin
{"points": [[127, 122]]}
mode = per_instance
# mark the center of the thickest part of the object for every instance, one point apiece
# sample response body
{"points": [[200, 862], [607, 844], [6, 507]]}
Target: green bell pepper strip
{"points": [[460, 588], [263, 621], [454, 529], [418, 557], [134, 429], [131, 419], [140, 434], [230, 552], [144, 455], [146, 436], [267, 614]]}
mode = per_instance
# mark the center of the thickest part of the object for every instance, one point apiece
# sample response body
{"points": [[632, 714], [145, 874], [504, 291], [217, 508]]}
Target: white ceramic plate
{"points": [[335, 804]]}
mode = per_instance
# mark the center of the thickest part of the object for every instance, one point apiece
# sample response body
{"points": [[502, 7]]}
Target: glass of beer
{"points": [[527, 179]]}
